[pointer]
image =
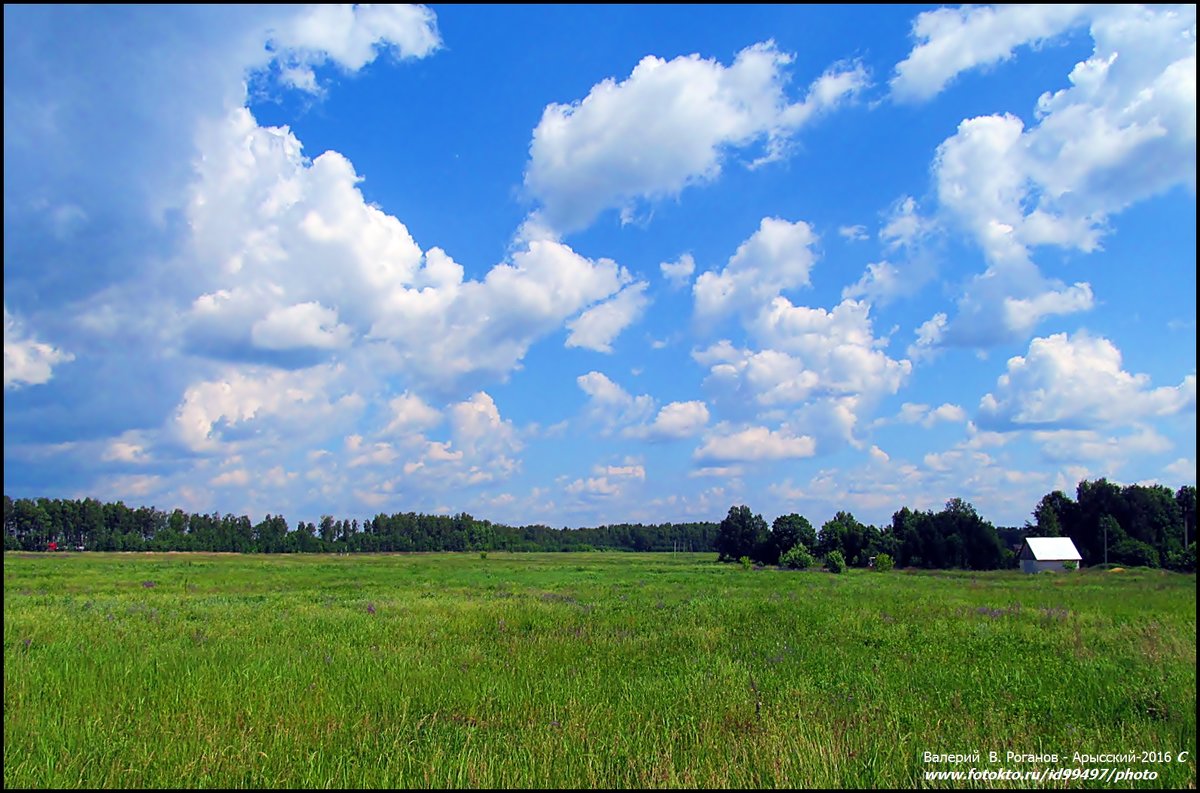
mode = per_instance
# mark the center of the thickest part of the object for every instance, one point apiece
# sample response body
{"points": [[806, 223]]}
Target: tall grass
{"points": [[575, 670]]}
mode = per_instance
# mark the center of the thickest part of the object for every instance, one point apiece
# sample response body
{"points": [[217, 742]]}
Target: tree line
{"points": [[1148, 525], [88, 524], [1141, 525]]}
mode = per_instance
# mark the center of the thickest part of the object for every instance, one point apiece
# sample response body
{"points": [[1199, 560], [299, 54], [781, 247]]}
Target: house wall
{"points": [[1034, 566]]}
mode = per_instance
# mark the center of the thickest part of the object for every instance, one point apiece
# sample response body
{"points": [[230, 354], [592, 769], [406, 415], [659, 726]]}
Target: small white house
{"points": [[1048, 553]]}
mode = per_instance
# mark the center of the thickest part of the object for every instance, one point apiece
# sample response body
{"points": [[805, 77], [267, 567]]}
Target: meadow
{"points": [[582, 670]]}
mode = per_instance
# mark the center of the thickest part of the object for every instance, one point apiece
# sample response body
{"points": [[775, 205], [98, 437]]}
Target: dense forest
{"points": [[33, 524], [1148, 525]]}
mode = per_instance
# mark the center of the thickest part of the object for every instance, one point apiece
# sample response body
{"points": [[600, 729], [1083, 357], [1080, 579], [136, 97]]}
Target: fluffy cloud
{"points": [[596, 328], [615, 409], [27, 361], [881, 282], [1123, 131], [350, 36], [754, 444], [212, 409], [302, 325], [1076, 382], [837, 345], [609, 482], [826, 365], [478, 429], [679, 272], [666, 127], [100, 139], [677, 420], [778, 256], [929, 335], [953, 40], [410, 413], [612, 406], [305, 263], [905, 232]]}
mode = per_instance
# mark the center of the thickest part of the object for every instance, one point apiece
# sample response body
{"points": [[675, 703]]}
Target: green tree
{"points": [[1093, 501], [843, 533], [1111, 535], [30, 524], [1185, 497], [740, 534], [972, 542], [328, 530], [788, 531], [1050, 514]]}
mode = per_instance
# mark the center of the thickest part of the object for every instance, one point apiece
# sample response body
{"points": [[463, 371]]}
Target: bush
{"points": [[1183, 561], [1068, 565], [745, 561], [835, 562], [1134, 553], [483, 554], [884, 563], [797, 558]]}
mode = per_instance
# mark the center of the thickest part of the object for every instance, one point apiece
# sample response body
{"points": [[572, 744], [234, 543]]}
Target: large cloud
{"points": [[954, 40], [810, 354], [824, 366], [244, 401], [100, 138], [665, 127], [1076, 382], [289, 256], [1123, 131], [101, 145]]}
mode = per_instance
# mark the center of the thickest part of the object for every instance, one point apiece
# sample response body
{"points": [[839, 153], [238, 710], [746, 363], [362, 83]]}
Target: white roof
{"points": [[1053, 549]]}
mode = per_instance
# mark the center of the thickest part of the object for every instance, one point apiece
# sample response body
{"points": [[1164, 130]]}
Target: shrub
{"points": [[1068, 565], [1134, 553], [483, 554], [884, 563], [835, 562], [797, 558], [1183, 561], [745, 561]]}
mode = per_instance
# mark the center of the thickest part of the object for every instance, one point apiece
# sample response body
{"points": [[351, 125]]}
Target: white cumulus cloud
{"points": [[667, 126], [954, 40], [596, 328], [778, 256], [754, 444], [1076, 382], [28, 361]]}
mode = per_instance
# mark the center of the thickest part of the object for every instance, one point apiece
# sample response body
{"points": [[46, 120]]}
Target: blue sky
{"points": [[589, 264]]}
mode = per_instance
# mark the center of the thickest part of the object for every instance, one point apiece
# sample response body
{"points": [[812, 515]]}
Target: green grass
{"points": [[576, 670]]}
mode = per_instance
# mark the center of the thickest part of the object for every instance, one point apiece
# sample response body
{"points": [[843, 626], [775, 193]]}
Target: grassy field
{"points": [[581, 670]]}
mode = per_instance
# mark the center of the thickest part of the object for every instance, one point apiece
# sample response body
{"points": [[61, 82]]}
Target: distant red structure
{"points": [[52, 546]]}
